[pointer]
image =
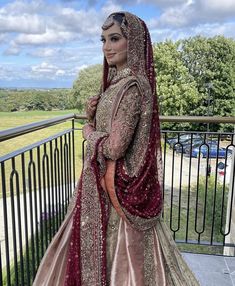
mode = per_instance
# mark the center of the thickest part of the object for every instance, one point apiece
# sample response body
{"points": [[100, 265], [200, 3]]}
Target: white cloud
{"points": [[64, 24], [206, 30], [23, 17], [83, 22], [74, 71], [79, 68], [83, 54], [49, 37], [44, 52], [175, 17], [21, 23], [42, 71], [158, 3], [221, 7], [3, 37], [60, 72], [45, 68], [213, 29], [50, 71], [109, 8], [68, 57], [21, 6], [53, 71], [192, 13], [12, 50], [88, 2], [162, 2], [9, 71]]}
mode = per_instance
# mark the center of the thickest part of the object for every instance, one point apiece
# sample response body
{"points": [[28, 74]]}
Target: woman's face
{"points": [[114, 47]]}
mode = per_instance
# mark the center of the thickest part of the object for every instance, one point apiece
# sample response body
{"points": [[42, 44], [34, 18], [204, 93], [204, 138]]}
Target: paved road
{"points": [[198, 168]]}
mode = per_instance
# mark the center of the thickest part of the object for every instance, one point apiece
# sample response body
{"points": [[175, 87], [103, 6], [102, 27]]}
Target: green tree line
{"points": [[32, 99]]}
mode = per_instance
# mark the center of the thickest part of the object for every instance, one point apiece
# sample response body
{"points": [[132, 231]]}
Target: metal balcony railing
{"points": [[37, 182]]}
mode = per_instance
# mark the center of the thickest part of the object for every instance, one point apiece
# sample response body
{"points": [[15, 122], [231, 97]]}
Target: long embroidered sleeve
{"points": [[124, 124]]}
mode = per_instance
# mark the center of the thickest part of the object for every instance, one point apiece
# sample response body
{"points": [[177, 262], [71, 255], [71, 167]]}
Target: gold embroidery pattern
{"points": [[149, 265], [91, 235]]}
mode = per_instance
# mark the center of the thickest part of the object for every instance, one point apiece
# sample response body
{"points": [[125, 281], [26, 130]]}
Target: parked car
{"points": [[189, 148], [187, 144], [182, 138], [226, 137], [210, 150]]}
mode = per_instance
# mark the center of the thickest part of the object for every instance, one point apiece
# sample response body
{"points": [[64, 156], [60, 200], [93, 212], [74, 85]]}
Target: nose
{"points": [[107, 46]]}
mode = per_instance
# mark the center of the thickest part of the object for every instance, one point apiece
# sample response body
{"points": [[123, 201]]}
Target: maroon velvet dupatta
{"points": [[138, 196]]}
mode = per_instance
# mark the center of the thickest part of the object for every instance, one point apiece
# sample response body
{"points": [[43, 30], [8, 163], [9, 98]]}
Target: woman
{"points": [[113, 234]]}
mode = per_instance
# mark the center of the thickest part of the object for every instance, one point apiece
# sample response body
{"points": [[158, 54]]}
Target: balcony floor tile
{"points": [[233, 279], [230, 261], [212, 270]]}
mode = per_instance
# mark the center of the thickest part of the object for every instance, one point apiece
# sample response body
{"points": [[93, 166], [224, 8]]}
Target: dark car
{"points": [[182, 138], [211, 150], [181, 147], [186, 145]]}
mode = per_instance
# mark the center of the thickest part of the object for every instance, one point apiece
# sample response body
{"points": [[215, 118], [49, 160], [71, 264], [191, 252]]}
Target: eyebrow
{"points": [[111, 35]]}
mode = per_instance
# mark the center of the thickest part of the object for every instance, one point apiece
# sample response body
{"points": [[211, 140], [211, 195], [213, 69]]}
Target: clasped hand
{"points": [[91, 107], [90, 112], [87, 130]]}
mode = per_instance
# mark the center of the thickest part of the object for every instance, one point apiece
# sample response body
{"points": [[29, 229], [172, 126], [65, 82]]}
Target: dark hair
{"points": [[119, 17]]}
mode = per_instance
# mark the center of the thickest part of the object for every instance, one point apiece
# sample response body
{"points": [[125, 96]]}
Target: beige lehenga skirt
{"points": [[134, 258]]}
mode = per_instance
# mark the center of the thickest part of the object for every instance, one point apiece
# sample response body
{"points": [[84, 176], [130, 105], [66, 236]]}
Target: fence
{"points": [[37, 182]]}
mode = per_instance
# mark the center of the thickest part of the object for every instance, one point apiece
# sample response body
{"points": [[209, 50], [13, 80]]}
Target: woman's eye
{"points": [[102, 40], [114, 39]]}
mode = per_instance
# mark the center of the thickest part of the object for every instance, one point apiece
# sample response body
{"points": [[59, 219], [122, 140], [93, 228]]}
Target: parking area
{"points": [[183, 170]]}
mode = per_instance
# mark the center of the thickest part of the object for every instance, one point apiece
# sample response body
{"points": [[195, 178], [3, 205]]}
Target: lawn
{"points": [[14, 119]]}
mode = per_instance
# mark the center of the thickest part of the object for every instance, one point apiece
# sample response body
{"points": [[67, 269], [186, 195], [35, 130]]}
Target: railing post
{"points": [[230, 216]]}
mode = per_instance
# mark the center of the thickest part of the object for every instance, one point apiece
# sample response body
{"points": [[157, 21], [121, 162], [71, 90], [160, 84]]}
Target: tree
{"points": [[211, 61], [175, 86], [196, 76], [86, 85]]}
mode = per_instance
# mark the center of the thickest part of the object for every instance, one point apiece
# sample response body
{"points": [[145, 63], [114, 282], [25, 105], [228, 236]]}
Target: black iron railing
{"points": [[38, 180], [198, 178]]}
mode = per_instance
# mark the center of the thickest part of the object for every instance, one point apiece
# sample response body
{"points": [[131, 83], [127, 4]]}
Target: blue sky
{"points": [[46, 43]]}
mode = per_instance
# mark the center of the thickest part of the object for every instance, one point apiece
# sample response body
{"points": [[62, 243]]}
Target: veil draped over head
{"points": [[140, 195], [139, 49]]}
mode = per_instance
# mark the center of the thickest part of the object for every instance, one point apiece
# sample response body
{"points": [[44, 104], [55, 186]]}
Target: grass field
{"points": [[14, 119]]}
